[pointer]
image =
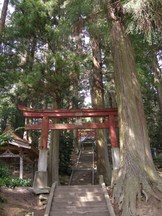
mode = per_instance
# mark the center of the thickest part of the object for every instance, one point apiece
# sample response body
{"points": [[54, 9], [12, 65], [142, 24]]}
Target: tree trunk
{"points": [[53, 163], [74, 105], [3, 15], [137, 173], [75, 76], [97, 94]]}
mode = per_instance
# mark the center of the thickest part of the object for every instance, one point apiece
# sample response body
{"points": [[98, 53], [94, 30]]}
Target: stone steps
{"points": [[84, 200]]}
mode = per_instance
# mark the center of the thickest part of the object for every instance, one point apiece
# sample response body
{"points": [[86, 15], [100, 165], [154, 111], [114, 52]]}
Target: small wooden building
{"points": [[21, 149]]}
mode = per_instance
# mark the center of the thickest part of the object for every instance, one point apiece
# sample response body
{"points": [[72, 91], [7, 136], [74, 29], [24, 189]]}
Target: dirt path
{"points": [[20, 202]]}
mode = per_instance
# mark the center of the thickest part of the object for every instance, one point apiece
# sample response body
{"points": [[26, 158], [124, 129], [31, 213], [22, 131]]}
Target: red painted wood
{"points": [[68, 126], [44, 134], [113, 136], [110, 122], [87, 133], [32, 113]]}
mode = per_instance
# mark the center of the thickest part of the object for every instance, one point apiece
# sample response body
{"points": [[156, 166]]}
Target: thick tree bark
{"points": [[76, 76], [137, 173], [53, 163], [74, 105], [3, 15]]}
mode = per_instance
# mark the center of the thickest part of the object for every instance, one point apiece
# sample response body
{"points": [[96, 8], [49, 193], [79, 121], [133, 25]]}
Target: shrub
{"points": [[66, 148], [158, 162], [5, 138], [15, 182], [4, 171], [7, 181]]}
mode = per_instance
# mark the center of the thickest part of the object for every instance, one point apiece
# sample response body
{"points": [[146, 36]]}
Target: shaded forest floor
{"points": [[20, 202]]}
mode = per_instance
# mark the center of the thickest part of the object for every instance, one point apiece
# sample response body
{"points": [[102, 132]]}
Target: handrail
{"points": [[50, 198], [93, 166], [106, 195], [71, 177]]}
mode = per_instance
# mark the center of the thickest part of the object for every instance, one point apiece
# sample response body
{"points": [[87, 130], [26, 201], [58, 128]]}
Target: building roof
{"points": [[17, 145]]}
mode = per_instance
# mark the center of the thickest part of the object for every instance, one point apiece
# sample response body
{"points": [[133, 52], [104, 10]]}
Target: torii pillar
{"points": [[40, 184], [115, 150], [43, 150]]}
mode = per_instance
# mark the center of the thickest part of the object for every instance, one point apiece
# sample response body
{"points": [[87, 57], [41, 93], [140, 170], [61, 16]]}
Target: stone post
{"points": [[21, 166]]}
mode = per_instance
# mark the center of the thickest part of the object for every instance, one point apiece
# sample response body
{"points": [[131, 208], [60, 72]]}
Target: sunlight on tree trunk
{"points": [[97, 94], [3, 15], [137, 173], [75, 76], [53, 163]]}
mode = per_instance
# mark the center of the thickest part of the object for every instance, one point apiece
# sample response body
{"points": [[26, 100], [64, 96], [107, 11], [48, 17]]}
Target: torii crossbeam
{"points": [[110, 115]]}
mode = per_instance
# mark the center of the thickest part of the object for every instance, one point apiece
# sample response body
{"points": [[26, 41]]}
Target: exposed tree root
{"points": [[145, 195], [131, 184]]}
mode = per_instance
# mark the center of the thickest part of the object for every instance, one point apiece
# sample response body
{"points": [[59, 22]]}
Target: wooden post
{"points": [[44, 134], [113, 137], [115, 151], [40, 179], [21, 166]]}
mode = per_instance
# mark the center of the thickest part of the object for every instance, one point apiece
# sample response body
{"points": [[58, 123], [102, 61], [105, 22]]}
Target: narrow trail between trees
{"points": [[83, 170], [81, 196]]}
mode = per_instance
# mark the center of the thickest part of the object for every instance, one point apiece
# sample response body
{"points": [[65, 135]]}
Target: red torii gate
{"points": [[110, 115], [87, 133]]}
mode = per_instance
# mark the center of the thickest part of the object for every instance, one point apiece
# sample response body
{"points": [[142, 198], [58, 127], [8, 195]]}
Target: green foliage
{"points": [[9, 115], [4, 139], [144, 61], [82, 8], [30, 16], [158, 161], [15, 182], [40, 61], [144, 17], [36, 45], [4, 171], [155, 134], [7, 181], [66, 148]]}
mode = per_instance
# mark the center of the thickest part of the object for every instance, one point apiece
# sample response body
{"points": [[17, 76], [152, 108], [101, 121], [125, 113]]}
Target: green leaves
{"points": [[82, 8], [7, 181], [145, 16], [66, 147], [4, 139]]}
